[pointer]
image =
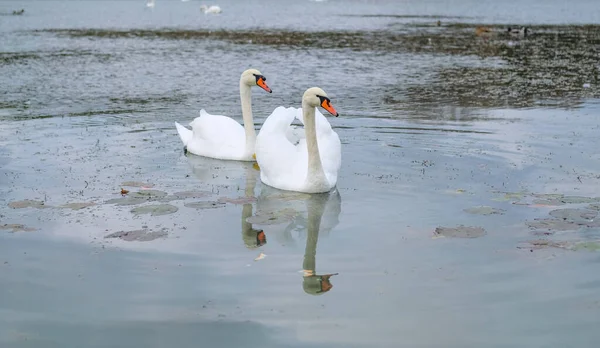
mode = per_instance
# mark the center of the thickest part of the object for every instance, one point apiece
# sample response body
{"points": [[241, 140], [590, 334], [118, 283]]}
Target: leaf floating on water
{"points": [[155, 210], [459, 232], [143, 235], [191, 194], [578, 199], [260, 257], [78, 206], [239, 200], [16, 228], [484, 210], [272, 218], [204, 205], [136, 184], [28, 204]]}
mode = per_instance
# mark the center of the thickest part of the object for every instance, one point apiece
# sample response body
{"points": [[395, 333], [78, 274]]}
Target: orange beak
{"points": [[326, 104], [262, 84]]}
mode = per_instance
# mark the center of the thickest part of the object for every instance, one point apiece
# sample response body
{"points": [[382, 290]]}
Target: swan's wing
{"points": [[280, 160], [217, 136]]}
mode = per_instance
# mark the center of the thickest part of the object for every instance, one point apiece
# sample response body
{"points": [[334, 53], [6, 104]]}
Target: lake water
{"points": [[464, 215]]}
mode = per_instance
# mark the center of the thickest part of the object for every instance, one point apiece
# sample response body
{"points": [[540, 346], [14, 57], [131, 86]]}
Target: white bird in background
{"points": [[150, 3], [213, 9]]}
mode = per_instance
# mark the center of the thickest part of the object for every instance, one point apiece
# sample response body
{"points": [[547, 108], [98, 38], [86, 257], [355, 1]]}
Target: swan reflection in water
{"points": [[285, 216], [224, 174], [284, 213]]}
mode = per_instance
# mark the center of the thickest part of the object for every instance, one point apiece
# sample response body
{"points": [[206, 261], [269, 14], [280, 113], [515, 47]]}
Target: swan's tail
{"points": [[184, 133]]}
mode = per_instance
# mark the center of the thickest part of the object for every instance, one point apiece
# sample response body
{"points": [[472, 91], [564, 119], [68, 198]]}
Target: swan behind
{"points": [[221, 137]]}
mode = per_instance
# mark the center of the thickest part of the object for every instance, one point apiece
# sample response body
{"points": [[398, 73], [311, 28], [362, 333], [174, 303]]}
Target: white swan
{"points": [[221, 137], [214, 9], [313, 163], [150, 3]]}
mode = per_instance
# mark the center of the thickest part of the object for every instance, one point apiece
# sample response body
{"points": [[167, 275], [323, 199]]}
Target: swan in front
{"points": [[221, 137], [308, 164]]}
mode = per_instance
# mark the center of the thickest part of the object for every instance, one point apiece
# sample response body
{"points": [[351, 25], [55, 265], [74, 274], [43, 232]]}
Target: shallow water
{"points": [[446, 228]]}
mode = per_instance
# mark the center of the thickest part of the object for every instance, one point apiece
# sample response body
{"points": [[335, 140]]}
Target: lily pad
{"points": [[549, 201], [190, 194], [460, 232], [578, 199], [204, 205], [553, 225], [594, 206], [272, 218], [588, 246], [16, 228], [239, 200], [582, 216], [140, 197], [484, 210], [27, 203], [510, 196], [136, 184], [139, 235], [78, 206], [155, 209]]}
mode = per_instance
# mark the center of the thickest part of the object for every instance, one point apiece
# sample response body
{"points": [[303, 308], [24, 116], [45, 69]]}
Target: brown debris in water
{"points": [[460, 232], [142, 235], [16, 228]]}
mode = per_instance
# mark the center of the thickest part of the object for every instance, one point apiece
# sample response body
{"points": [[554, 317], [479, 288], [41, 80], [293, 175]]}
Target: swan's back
{"points": [[283, 162]]}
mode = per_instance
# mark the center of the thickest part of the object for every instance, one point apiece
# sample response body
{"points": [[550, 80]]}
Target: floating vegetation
{"points": [[137, 184], [459, 232], [484, 210], [572, 246], [143, 235], [239, 200], [135, 198], [27, 203], [205, 205], [78, 206], [272, 218], [190, 194], [16, 228], [155, 210]]}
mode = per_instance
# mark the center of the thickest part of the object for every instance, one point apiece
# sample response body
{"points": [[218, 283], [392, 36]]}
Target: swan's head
{"points": [[317, 97], [253, 77]]}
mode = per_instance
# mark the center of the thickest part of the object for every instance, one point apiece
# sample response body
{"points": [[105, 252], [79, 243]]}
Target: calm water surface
{"points": [[435, 123]]}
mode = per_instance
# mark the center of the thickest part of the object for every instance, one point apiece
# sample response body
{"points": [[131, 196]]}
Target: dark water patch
{"points": [[143, 235], [7, 58], [390, 129], [405, 16], [14, 228], [155, 209], [459, 232]]}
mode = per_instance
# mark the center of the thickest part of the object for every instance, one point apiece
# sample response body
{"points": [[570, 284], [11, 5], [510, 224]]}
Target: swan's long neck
{"points": [[246, 98], [315, 167]]}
